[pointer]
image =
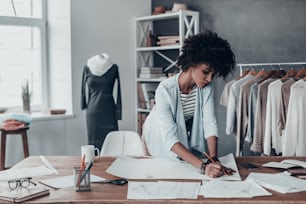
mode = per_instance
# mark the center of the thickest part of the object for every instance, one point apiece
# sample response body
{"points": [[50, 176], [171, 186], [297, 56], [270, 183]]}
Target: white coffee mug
{"points": [[89, 152]]}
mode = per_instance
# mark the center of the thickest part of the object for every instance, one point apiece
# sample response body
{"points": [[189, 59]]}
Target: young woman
{"points": [[183, 120]]}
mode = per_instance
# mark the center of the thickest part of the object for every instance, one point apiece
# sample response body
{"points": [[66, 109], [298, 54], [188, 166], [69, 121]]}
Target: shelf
{"points": [[171, 47], [187, 25], [150, 80], [165, 16]]}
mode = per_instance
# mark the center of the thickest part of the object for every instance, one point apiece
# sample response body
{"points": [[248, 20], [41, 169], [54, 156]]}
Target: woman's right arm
{"points": [[213, 169]]}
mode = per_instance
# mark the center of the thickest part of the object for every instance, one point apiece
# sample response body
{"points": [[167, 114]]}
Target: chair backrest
{"points": [[122, 143]]}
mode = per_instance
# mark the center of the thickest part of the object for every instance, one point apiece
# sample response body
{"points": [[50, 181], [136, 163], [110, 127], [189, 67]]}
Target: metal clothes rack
{"points": [[260, 66]]}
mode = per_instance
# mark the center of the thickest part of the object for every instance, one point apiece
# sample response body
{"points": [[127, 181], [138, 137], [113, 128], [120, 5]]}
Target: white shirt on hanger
{"points": [[232, 106], [294, 143], [272, 138]]}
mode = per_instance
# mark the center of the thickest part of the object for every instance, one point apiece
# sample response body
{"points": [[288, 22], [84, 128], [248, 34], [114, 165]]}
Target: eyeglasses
{"points": [[20, 183]]}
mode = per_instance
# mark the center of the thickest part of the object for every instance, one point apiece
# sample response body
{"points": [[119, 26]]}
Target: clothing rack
{"points": [[259, 65], [262, 66]]}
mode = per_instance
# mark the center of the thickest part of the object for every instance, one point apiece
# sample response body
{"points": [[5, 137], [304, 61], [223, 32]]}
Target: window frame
{"points": [[41, 24]]}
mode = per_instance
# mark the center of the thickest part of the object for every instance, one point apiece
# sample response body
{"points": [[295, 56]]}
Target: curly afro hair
{"points": [[207, 48]]}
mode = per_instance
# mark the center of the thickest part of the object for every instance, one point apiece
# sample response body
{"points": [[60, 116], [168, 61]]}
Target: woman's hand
{"points": [[215, 170]]}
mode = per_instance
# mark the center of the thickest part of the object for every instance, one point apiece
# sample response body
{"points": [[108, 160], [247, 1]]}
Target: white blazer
{"points": [[165, 125]]}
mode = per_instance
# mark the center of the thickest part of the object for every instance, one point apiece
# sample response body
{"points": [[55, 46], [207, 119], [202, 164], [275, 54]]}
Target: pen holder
{"points": [[81, 179]]}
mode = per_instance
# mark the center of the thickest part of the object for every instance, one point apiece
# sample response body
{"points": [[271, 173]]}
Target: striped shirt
{"points": [[188, 103]]}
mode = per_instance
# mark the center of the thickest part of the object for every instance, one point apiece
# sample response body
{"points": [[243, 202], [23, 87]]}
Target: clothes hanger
{"points": [[272, 73], [244, 73], [262, 73], [280, 73], [269, 75], [301, 73], [276, 74], [252, 72], [290, 74], [247, 72]]}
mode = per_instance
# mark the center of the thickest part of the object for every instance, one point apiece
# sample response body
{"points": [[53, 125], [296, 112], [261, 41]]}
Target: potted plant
{"points": [[26, 97]]}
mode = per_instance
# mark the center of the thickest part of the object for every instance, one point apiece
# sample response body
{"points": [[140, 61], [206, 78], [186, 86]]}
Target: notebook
{"points": [[22, 194], [286, 164], [300, 173]]}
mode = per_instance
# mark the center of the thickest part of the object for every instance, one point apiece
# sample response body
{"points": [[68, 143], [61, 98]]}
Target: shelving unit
{"points": [[187, 24]]}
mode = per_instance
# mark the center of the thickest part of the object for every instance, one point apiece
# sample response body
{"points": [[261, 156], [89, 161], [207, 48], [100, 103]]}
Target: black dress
{"points": [[102, 113]]}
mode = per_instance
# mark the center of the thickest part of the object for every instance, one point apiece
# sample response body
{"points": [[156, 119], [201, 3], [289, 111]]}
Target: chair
{"points": [[4, 133], [122, 143]]}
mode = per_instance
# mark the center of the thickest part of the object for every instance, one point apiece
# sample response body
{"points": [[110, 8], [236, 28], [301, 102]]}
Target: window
{"points": [[21, 8], [23, 44]]}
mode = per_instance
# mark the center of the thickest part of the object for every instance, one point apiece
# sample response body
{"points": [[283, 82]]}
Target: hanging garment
{"points": [[252, 111], [243, 114], [232, 106], [102, 111], [294, 143], [225, 93], [272, 138], [283, 106], [260, 115]]}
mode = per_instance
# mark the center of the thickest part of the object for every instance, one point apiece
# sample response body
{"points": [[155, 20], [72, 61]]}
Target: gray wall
{"points": [[258, 30]]}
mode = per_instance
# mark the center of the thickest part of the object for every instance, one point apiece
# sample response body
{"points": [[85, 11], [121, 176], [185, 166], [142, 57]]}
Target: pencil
{"points": [[208, 157], [82, 166], [226, 171]]}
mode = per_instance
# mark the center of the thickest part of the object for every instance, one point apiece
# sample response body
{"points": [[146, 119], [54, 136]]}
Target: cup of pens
{"points": [[81, 179]]}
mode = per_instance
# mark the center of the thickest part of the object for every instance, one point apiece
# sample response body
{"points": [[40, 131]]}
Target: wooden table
{"points": [[108, 193]]}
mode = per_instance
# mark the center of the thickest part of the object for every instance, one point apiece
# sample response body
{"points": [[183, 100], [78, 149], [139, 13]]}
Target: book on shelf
{"points": [[141, 119], [141, 99], [151, 72], [171, 44], [156, 69], [151, 76], [166, 37], [22, 194], [148, 90], [286, 164], [167, 42]]}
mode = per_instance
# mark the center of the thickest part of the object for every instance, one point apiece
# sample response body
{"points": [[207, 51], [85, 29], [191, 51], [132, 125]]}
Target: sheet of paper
{"points": [[294, 161], [281, 182], [163, 190], [232, 189], [278, 165], [140, 190], [24, 172], [158, 168], [67, 181], [48, 164]]}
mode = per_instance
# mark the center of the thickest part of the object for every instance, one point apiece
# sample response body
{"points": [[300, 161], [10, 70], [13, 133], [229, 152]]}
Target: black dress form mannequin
{"points": [[102, 112]]}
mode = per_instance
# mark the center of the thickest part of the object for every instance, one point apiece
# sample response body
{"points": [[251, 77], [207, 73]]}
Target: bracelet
{"points": [[202, 168], [214, 158]]}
